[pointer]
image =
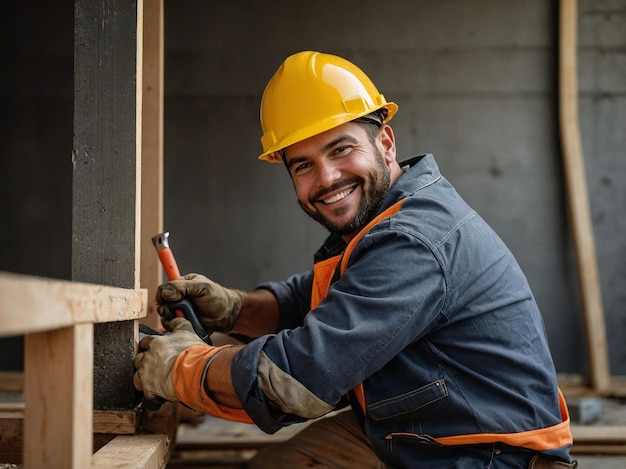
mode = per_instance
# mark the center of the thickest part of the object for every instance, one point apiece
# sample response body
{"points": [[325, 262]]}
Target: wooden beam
{"points": [[57, 395], [599, 434], [119, 422], [576, 385], [11, 437], [106, 424], [11, 381], [33, 304], [140, 451], [577, 195], [152, 152], [596, 449]]}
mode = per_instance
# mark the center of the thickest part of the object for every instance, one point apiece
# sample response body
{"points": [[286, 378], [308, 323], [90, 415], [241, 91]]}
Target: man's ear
{"points": [[387, 141]]}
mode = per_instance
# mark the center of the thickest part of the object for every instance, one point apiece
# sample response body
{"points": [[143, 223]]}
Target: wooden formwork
{"points": [[81, 335], [55, 424]]}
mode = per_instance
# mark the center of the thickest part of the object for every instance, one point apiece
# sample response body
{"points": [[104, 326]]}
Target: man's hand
{"points": [[217, 307], [157, 356], [174, 367]]}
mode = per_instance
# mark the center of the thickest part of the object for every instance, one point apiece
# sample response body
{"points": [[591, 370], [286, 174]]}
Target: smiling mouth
{"points": [[337, 197]]}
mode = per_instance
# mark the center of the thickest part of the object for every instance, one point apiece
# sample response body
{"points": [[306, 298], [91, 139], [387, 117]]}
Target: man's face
{"points": [[341, 177]]}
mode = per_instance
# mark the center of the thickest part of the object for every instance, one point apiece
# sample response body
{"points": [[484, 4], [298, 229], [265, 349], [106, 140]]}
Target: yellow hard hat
{"points": [[313, 92]]}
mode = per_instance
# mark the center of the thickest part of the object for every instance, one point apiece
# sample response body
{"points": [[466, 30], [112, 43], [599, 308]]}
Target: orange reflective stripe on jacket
{"points": [[542, 439], [552, 437], [324, 271], [322, 275]]}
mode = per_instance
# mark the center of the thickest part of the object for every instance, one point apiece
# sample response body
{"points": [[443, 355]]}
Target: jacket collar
{"points": [[419, 171]]}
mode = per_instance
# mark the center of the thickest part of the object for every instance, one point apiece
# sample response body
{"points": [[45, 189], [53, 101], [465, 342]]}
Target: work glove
{"points": [[217, 307], [157, 357], [174, 366]]}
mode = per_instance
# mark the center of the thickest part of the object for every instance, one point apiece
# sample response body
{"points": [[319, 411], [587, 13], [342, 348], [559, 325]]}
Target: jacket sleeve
{"points": [[294, 298], [369, 315]]}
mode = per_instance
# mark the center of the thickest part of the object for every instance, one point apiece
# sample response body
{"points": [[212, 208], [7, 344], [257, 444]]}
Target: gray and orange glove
{"points": [[217, 307], [173, 367]]}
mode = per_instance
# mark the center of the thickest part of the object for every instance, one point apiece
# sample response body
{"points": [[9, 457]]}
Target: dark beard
{"points": [[370, 202]]}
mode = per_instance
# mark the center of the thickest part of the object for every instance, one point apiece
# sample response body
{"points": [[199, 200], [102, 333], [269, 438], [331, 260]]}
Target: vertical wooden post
{"points": [[106, 176], [57, 396], [577, 194], [152, 151]]}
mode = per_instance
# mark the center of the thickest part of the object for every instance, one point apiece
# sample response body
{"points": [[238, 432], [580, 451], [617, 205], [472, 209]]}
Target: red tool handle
{"points": [[169, 263], [166, 256]]}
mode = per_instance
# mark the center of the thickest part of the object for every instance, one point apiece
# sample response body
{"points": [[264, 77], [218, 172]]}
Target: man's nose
{"points": [[327, 173]]}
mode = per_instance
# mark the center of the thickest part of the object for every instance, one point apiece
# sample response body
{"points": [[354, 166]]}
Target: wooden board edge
{"points": [[119, 422], [66, 303], [136, 451]]}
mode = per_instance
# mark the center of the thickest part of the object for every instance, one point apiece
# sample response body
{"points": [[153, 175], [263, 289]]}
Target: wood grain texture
{"points": [[119, 422], [140, 451], [11, 437], [578, 199], [58, 419], [33, 304], [599, 434], [152, 152]]}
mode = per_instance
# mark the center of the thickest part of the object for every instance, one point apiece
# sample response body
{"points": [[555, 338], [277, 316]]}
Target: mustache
{"points": [[334, 187]]}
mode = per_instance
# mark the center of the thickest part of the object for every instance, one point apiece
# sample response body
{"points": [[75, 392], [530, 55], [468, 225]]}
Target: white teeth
{"points": [[338, 197]]}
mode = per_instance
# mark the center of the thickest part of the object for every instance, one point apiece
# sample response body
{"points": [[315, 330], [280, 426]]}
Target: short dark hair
{"points": [[372, 123], [372, 128]]}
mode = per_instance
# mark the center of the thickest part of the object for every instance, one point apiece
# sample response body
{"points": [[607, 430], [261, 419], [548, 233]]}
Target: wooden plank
{"points": [[58, 388], [34, 304], [137, 452], [11, 408], [152, 152], [599, 434], [107, 175], [105, 424], [119, 422], [11, 437], [598, 449], [11, 381], [575, 385], [578, 199]]}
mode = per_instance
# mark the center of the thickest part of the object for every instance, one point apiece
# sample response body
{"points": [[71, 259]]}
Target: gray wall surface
{"points": [[36, 105], [476, 83]]}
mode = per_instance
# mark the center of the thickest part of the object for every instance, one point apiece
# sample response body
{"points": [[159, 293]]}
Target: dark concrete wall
{"points": [[602, 83], [36, 93], [477, 86]]}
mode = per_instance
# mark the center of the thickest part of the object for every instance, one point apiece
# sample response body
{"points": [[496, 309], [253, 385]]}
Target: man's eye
{"points": [[301, 167], [340, 150]]}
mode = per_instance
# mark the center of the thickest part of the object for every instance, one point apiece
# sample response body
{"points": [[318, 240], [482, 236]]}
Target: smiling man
{"points": [[414, 340], [342, 176]]}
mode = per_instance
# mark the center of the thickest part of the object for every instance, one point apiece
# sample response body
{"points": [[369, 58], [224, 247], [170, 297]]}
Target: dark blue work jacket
{"points": [[432, 321]]}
